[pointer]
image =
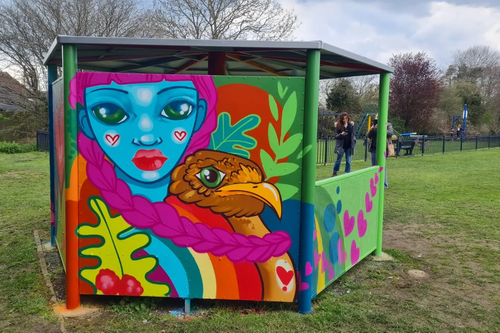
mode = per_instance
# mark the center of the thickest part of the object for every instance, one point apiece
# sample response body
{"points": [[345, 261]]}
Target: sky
{"points": [[377, 29]]}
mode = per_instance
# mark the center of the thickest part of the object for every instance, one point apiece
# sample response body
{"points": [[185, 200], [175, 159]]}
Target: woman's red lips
{"points": [[149, 160]]}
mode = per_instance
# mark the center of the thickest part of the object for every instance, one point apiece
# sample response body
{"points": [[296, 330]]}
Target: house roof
{"points": [[8, 107], [189, 56]]}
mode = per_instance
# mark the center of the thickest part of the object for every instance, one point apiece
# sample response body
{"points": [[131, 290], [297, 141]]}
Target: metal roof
{"points": [[189, 56]]}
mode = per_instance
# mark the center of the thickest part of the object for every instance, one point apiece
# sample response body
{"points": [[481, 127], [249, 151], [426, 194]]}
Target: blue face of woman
{"points": [[144, 129]]}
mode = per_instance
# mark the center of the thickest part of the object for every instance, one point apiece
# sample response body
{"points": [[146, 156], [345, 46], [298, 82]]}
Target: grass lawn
{"points": [[442, 216]]}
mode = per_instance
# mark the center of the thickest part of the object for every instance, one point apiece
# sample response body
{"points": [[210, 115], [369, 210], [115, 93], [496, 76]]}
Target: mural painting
{"points": [[189, 186], [346, 211]]}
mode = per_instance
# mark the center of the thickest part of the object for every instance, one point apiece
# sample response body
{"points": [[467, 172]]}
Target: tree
{"points": [[225, 19], [343, 97], [366, 88], [470, 94], [480, 65], [28, 27], [414, 89]]}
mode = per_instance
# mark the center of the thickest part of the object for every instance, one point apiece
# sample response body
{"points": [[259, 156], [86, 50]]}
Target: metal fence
{"points": [[423, 146], [42, 140], [406, 147]]}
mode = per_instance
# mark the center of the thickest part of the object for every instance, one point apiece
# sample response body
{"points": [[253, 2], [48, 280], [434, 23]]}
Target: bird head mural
{"points": [[226, 184], [234, 187]]}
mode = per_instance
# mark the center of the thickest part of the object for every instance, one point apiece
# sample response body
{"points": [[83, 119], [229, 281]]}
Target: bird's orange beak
{"points": [[265, 192]]}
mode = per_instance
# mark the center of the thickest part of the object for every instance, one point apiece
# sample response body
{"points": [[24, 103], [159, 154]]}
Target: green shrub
{"points": [[15, 148]]}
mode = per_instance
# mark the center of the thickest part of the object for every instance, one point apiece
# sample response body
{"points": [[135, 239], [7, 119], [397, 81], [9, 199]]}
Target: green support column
{"points": [[383, 111], [307, 221], [70, 134]]}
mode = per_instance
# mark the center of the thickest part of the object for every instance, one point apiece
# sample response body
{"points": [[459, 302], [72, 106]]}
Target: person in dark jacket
{"points": [[372, 136], [346, 141]]}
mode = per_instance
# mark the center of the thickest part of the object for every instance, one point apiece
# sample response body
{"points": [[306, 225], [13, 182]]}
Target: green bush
{"points": [[16, 148]]}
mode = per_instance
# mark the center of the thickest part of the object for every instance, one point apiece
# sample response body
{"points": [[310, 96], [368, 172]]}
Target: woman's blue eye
{"points": [[177, 110], [109, 113]]}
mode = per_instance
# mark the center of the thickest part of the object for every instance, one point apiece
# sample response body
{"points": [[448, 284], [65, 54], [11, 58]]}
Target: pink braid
{"points": [[165, 222]]}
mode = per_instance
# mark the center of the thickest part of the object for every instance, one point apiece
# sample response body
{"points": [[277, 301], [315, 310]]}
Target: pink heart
{"points": [[368, 202], [317, 258], [362, 224], [112, 139], [380, 169], [180, 135], [315, 235], [376, 178], [373, 188], [324, 262], [354, 253], [302, 285], [331, 272], [341, 252], [309, 269], [348, 223]]}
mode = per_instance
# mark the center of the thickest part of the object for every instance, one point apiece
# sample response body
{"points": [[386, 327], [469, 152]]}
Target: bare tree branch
{"points": [[28, 27], [225, 19]]}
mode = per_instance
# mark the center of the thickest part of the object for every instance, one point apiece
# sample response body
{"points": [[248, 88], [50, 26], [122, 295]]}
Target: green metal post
{"points": [[71, 128], [383, 112], [307, 221]]}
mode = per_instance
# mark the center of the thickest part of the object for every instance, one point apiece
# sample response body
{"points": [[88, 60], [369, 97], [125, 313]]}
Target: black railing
{"points": [[403, 147], [42, 141], [422, 145]]}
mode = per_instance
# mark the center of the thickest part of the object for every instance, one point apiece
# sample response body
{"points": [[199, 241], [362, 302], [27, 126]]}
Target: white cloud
{"points": [[374, 30]]}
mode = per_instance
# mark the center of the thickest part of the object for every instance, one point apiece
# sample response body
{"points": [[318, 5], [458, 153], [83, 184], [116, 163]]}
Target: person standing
{"points": [[346, 141], [459, 131], [372, 136]]}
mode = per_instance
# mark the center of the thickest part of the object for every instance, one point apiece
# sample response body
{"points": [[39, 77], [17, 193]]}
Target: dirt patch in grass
{"points": [[452, 293], [16, 174]]}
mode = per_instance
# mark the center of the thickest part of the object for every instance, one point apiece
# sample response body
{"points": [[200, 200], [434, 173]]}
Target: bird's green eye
{"points": [[109, 113], [211, 177], [177, 110]]}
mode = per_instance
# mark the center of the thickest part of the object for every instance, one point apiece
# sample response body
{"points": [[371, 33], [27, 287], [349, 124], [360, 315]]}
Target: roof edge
{"points": [[357, 57]]}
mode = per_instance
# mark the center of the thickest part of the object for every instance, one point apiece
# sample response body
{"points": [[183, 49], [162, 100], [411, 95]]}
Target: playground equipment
{"points": [[186, 168], [457, 117]]}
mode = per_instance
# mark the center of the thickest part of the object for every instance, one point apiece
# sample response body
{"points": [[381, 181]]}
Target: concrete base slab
{"points": [[48, 247], [61, 311], [383, 257]]}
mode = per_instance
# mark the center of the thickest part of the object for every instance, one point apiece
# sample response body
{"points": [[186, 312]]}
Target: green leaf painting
{"points": [[289, 146], [282, 169], [289, 114], [274, 107], [273, 138], [267, 162], [281, 91], [287, 191], [281, 147], [232, 138]]}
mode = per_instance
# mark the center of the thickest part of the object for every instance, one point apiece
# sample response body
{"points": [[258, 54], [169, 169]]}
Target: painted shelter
{"points": [[186, 168]]}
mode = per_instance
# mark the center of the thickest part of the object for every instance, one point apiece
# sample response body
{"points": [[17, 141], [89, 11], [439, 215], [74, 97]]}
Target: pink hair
{"points": [[165, 222], [203, 84]]}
